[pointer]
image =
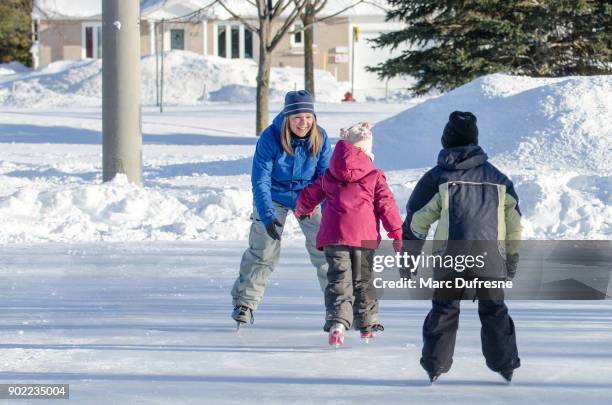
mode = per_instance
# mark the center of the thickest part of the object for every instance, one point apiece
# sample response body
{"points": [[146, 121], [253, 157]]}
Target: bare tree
{"points": [[309, 18], [268, 12]]}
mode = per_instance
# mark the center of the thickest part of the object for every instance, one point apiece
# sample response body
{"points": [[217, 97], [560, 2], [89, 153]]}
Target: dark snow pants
{"points": [[497, 334], [349, 295]]}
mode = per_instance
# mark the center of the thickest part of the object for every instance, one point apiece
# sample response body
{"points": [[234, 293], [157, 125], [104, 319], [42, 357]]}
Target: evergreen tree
{"points": [[453, 42], [16, 31]]}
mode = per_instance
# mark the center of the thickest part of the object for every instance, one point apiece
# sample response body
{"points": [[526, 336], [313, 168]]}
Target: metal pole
{"points": [[121, 121], [353, 65], [161, 90], [156, 67], [387, 90]]}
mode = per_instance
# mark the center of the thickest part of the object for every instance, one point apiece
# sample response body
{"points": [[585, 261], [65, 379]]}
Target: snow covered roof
{"points": [[158, 9], [70, 9], [244, 8]]}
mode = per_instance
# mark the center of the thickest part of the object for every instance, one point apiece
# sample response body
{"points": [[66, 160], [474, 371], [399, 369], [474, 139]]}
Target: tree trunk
{"points": [[263, 78], [307, 20]]}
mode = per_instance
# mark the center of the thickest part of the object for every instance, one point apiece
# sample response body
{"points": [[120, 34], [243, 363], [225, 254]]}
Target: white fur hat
{"points": [[360, 135]]}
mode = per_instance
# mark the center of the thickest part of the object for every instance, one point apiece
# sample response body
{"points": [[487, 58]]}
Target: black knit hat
{"points": [[460, 130]]}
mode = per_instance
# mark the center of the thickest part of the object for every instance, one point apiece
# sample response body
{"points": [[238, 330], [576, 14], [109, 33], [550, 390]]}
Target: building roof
{"points": [[70, 9], [158, 9]]}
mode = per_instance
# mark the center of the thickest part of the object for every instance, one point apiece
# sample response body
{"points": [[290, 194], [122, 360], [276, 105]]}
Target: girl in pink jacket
{"points": [[356, 199]]}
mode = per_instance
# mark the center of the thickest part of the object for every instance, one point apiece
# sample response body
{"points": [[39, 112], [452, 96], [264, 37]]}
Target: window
{"points": [[92, 41], [248, 44], [233, 41], [221, 42], [297, 39], [177, 39]]}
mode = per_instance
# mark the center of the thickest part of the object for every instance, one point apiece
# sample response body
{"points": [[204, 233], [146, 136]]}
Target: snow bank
{"points": [[12, 68], [121, 211], [551, 136], [565, 204], [188, 79], [66, 8], [555, 206], [560, 123]]}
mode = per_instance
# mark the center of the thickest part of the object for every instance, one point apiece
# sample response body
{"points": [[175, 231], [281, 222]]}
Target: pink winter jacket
{"points": [[356, 197]]}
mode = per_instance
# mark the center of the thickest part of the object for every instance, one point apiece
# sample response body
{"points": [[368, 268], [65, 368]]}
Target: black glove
{"points": [[412, 248], [406, 271], [271, 229], [511, 265]]}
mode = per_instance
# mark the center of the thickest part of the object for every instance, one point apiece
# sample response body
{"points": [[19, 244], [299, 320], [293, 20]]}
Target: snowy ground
{"points": [[149, 323], [197, 163], [144, 316]]}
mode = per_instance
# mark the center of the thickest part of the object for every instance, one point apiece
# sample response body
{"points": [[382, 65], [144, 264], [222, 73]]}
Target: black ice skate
{"points": [[433, 377], [507, 375]]}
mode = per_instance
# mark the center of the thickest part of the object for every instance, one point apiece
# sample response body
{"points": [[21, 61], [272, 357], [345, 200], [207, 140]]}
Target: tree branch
{"points": [[237, 17], [318, 6], [278, 8], [261, 9], [284, 8], [339, 12], [299, 6]]}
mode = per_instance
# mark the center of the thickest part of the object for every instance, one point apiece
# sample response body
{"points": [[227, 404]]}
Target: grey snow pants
{"points": [[261, 257], [350, 296]]}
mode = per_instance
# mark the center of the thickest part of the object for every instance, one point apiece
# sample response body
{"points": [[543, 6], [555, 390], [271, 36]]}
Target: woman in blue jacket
{"points": [[290, 154]]}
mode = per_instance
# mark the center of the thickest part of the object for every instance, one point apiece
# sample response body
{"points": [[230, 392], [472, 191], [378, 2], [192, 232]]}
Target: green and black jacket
{"points": [[470, 198]]}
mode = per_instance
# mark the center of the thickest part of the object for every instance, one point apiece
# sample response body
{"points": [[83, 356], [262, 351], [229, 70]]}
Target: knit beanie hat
{"points": [[460, 130], [297, 102], [360, 135]]}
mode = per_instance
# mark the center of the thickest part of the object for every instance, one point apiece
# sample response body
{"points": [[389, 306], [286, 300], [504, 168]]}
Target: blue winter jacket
{"points": [[279, 177]]}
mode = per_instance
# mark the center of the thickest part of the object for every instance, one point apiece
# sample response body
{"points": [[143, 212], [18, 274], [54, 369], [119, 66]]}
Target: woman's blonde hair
{"points": [[315, 138]]}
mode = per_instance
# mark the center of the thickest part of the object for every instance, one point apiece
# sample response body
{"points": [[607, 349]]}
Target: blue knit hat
{"points": [[297, 102]]}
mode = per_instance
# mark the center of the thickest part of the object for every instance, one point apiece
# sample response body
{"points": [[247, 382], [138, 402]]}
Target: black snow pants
{"points": [[498, 336]]}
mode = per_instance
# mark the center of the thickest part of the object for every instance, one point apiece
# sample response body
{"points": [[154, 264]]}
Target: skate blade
{"points": [[366, 340]]}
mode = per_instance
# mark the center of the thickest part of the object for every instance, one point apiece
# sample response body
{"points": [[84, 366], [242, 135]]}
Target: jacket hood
{"points": [[349, 163], [462, 157], [277, 123]]}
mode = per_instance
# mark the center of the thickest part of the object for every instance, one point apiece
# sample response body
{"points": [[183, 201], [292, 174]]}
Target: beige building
{"points": [[65, 31]]}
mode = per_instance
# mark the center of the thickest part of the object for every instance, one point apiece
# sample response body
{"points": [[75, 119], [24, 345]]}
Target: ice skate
{"points": [[433, 377], [336, 335], [367, 334], [242, 314], [507, 375]]}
